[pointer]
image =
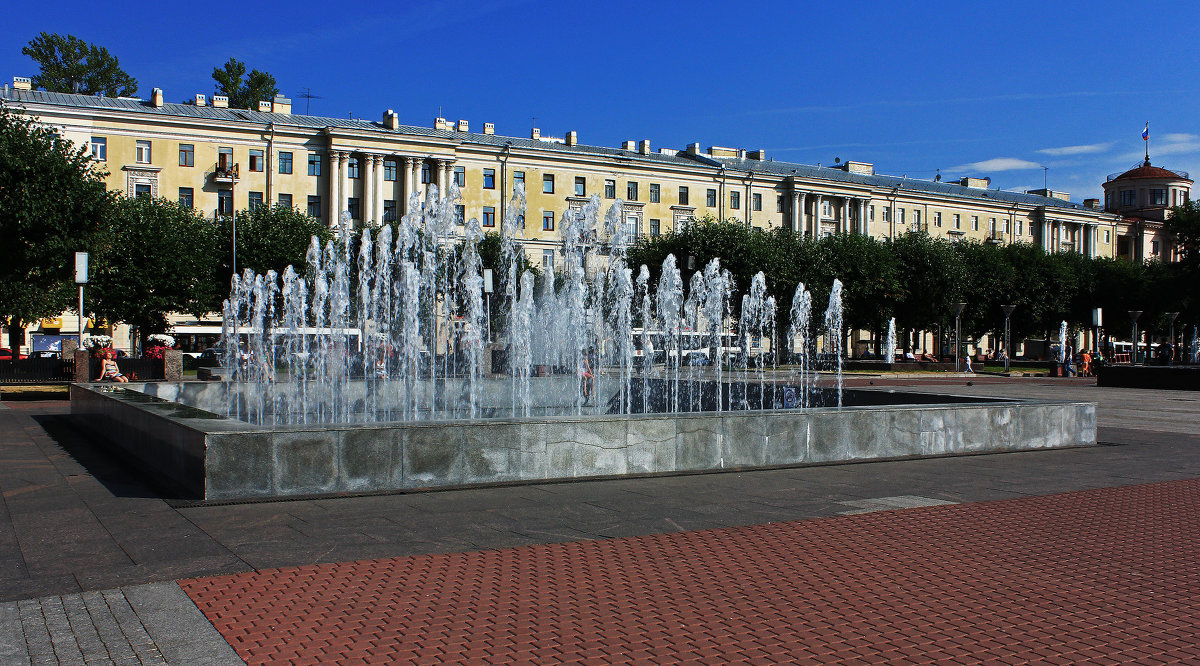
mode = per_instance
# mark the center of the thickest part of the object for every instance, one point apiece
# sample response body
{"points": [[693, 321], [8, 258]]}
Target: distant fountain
{"points": [[889, 351], [1062, 342], [393, 329]]}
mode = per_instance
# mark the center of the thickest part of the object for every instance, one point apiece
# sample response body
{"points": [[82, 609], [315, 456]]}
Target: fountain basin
{"points": [[204, 456]]}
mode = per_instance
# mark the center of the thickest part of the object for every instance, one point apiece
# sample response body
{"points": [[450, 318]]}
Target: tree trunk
{"points": [[16, 336]]}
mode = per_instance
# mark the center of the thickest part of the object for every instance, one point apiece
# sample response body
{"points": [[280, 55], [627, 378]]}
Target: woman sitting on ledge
{"points": [[109, 371], [929, 358]]}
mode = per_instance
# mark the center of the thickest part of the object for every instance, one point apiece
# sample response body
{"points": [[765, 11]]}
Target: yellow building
{"points": [[217, 160]]}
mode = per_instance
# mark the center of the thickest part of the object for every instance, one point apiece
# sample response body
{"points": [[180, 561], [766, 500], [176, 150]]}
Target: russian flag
{"points": [[1146, 133]]}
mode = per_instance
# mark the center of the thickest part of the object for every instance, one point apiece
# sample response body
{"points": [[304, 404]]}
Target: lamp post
{"points": [[1172, 316], [1133, 318], [958, 308], [81, 278], [1008, 310]]}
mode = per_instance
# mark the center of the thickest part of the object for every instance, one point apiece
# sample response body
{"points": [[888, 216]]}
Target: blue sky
{"points": [[984, 89]]}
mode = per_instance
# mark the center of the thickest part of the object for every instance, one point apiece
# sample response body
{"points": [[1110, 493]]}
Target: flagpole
{"points": [[1147, 138]]}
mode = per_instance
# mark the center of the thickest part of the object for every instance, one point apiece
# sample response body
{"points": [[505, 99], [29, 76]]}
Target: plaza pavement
{"points": [[1064, 556]]}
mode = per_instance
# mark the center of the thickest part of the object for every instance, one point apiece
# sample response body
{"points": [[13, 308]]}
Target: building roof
{"points": [[680, 158], [1146, 170]]}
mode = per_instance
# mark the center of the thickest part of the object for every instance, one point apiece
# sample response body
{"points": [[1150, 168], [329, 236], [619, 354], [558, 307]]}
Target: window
{"points": [[285, 162], [518, 177], [655, 226], [610, 189], [255, 200], [352, 168], [489, 216], [917, 220], [460, 176], [957, 221], [547, 183], [352, 205], [1020, 227], [225, 202], [937, 219], [655, 193], [548, 221], [580, 186], [756, 201], [389, 210], [871, 212], [256, 160], [631, 191], [285, 200], [827, 210], [632, 227], [974, 223], [100, 148], [314, 207], [1158, 197], [1006, 226], [426, 173], [489, 178], [887, 214], [710, 198], [187, 154], [1154, 248], [735, 200], [683, 195], [143, 152], [900, 216], [548, 260], [1128, 197], [1107, 236], [187, 198], [140, 191], [779, 204], [314, 164], [992, 225], [460, 215], [224, 158], [391, 169]]}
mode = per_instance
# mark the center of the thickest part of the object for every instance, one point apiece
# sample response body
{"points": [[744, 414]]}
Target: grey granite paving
{"points": [[89, 548]]}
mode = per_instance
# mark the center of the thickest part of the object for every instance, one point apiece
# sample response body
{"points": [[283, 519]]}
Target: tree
{"points": [[71, 65], [243, 94], [52, 203], [1183, 224], [156, 257], [269, 238]]}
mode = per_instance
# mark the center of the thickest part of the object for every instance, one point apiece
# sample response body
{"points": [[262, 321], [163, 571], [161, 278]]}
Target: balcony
{"points": [[225, 172], [995, 237]]}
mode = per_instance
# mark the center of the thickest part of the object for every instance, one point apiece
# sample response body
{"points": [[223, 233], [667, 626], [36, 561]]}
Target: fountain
{"points": [[889, 351], [368, 370]]}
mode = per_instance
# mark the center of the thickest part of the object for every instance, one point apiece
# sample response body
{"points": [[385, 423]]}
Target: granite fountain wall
{"points": [[205, 456]]}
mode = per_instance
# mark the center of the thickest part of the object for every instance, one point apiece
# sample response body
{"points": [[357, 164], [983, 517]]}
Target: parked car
{"points": [[45, 353], [7, 355]]}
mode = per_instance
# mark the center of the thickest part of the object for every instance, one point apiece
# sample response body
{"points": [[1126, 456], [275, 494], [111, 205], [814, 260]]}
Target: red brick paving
{"points": [[1098, 576]]}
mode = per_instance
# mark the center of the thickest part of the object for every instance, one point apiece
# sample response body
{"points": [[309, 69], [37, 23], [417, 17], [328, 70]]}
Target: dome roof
{"points": [[1146, 170]]}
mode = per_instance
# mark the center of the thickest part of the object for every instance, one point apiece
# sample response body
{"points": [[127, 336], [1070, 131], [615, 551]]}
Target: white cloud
{"points": [[997, 164], [1177, 137], [1077, 150]]}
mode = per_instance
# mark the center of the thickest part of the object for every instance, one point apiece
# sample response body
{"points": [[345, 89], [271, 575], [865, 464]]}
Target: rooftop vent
{"points": [[1093, 204], [281, 104], [439, 123], [1044, 192], [464, 126], [264, 106], [759, 155], [864, 168], [718, 151], [391, 120], [156, 97], [572, 138], [980, 183], [535, 133], [489, 128], [22, 83], [644, 147], [200, 100], [220, 102], [693, 148], [629, 145]]}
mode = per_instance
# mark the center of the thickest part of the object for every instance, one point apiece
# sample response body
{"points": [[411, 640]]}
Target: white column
{"points": [[795, 211], [335, 187], [417, 185], [367, 171], [816, 218], [801, 215], [448, 169], [377, 170], [864, 222], [406, 177], [344, 185]]}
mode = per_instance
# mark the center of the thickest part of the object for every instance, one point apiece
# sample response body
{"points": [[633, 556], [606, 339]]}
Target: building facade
{"points": [[218, 160], [1143, 197]]}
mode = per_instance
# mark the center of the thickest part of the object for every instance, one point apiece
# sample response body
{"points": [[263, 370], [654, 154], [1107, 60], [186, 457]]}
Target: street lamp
{"points": [[1133, 317], [1008, 310], [81, 278], [1172, 316], [958, 308]]}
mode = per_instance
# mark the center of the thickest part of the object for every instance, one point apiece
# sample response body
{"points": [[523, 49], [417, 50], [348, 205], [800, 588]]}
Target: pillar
{"points": [[417, 185], [795, 213], [801, 214], [816, 217], [377, 187], [406, 177], [344, 185], [335, 187], [864, 222], [448, 175]]}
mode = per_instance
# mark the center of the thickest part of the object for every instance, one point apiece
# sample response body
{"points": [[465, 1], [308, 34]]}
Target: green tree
{"points": [[1183, 224], [269, 238], [71, 65], [52, 204], [243, 94], [156, 257]]}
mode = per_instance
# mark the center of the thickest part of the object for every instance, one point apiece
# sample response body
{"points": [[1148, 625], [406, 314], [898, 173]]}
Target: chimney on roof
{"points": [[535, 133], [201, 99], [1093, 204], [464, 126], [759, 155], [391, 120], [693, 148], [489, 128], [156, 97], [644, 147], [281, 104], [22, 83], [439, 123], [264, 106], [572, 138], [629, 145], [220, 102]]}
